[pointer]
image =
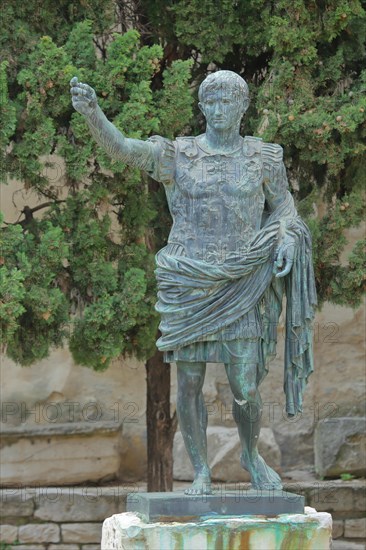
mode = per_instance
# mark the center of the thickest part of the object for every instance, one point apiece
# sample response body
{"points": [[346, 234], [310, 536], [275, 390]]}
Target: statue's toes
{"points": [[197, 491], [192, 491]]}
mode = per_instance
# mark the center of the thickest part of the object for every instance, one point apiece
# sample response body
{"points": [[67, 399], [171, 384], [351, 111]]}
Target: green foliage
{"points": [[23, 24], [346, 476], [80, 46], [12, 294], [33, 310], [176, 76], [336, 282], [7, 109], [197, 21], [313, 102], [84, 270], [97, 335], [7, 118], [304, 63]]}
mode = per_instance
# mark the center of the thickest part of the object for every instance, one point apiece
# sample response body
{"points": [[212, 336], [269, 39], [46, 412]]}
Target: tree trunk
{"points": [[161, 426]]}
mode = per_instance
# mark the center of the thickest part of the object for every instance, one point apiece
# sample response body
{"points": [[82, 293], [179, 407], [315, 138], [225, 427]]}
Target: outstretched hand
{"points": [[84, 98], [285, 258]]}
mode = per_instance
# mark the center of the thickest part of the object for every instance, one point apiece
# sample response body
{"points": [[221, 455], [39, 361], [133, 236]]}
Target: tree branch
{"points": [[28, 213]]}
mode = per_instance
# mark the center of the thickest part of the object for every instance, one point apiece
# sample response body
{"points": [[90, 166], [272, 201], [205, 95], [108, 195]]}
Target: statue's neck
{"points": [[222, 140]]}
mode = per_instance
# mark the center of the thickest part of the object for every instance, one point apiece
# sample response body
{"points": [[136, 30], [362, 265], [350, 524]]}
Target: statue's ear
{"points": [[201, 108], [246, 102]]}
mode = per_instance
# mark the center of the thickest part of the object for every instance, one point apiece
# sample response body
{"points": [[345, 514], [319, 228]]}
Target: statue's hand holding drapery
{"points": [[276, 191]]}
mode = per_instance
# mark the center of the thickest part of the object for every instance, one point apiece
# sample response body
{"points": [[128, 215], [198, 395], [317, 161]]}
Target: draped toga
{"points": [[217, 293]]}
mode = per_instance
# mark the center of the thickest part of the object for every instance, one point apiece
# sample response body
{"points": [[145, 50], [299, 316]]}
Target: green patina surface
{"points": [[310, 531], [237, 246]]}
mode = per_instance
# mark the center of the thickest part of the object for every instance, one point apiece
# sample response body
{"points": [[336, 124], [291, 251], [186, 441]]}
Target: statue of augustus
{"points": [[236, 246]]}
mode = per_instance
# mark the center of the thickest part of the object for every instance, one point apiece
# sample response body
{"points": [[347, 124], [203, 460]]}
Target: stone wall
{"points": [[55, 394], [57, 518], [70, 518], [67, 453]]}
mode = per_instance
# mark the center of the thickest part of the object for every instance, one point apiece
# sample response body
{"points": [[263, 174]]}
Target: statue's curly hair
{"points": [[227, 79]]}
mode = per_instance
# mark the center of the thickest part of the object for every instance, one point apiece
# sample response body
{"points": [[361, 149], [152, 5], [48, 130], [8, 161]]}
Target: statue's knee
{"points": [[252, 392], [248, 408], [245, 395]]}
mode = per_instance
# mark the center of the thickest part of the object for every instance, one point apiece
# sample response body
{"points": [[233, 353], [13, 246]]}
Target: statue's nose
{"points": [[218, 108]]}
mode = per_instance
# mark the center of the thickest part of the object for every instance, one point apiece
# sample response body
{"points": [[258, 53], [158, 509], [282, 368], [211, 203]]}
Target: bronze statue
{"points": [[236, 246]]}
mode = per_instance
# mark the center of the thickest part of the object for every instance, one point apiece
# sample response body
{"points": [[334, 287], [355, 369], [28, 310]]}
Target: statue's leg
{"points": [[192, 417], [247, 412]]}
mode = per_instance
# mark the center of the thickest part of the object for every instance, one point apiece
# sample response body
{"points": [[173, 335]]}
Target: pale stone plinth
{"points": [[309, 531]]}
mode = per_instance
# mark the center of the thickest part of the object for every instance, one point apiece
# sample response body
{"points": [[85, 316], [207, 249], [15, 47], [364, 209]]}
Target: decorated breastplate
{"points": [[216, 202]]}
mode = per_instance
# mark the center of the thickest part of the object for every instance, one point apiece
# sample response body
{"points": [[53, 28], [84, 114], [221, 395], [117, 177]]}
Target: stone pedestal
{"points": [[309, 531]]}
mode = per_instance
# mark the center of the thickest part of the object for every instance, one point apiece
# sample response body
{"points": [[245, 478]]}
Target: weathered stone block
{"points": [[81, 532], [15, 503], [30, 547], [60, 453], [39, 532], [8, 533], [311, 530], [355, 528], [338, 529], [347, 545], [336, 496], [80, 504], [340, 446], [63, 547], [224, 454]]}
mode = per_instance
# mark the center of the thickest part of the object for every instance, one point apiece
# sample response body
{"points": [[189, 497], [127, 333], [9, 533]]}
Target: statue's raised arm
{"points": [[134, 152]]}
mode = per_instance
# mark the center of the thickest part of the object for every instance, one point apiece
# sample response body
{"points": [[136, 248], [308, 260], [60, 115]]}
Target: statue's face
{"points": [[223, 108]]}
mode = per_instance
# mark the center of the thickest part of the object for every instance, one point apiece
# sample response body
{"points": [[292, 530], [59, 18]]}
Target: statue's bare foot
{"points": [[262, 476], [200, 486]]}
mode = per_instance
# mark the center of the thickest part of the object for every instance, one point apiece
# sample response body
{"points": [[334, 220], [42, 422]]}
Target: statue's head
{"points": [[223, 99], [227, 81]]}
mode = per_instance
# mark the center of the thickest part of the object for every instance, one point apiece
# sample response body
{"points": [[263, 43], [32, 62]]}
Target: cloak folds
{"points": [[195, 298]]}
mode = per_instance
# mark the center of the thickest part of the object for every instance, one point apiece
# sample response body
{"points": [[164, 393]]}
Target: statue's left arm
{"points": [[294, 259], [279, 200]]}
